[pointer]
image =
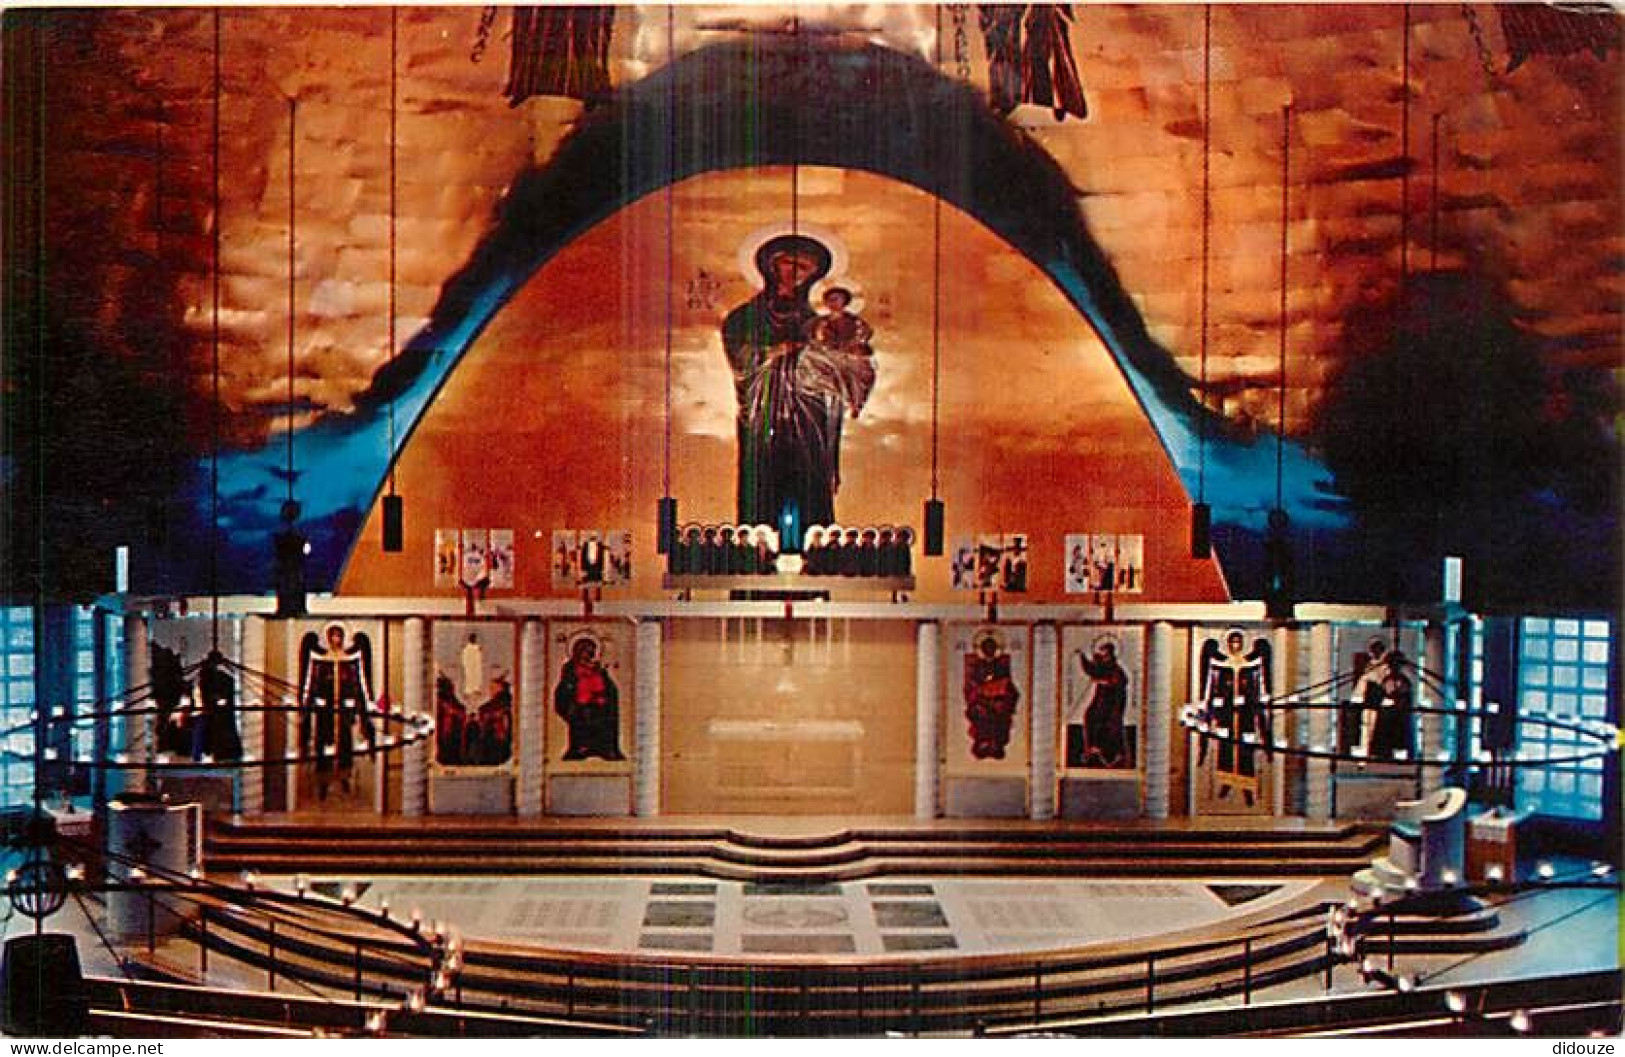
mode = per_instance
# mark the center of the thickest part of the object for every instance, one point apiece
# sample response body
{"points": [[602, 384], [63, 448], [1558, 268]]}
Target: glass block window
{"points": [[16, 705], [19, 656], [1562, 673], [1466, 673]]}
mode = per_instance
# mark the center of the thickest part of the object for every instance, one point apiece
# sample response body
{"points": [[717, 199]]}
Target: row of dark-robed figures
{"points": [[746, 550]]}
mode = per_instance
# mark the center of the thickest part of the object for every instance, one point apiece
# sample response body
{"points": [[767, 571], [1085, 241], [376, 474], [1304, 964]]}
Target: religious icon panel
{"points": [[1103, 687], [474, 559], [988, 698], [1231, 685], [590, 680], [1377, 691], [193, 688], [474, 685], [338, 671], [990, 561], [448, 556]]}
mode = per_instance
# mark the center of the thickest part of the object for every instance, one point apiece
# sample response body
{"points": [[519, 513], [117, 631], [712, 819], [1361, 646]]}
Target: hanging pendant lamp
{"points": [[935, 513], [666, 512], [394, 509], [1277, 548], [1201, 512], [291, 545]]}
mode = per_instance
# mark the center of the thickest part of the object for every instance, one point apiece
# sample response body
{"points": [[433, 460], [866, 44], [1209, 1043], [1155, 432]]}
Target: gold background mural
{"points": [[555, 416]]}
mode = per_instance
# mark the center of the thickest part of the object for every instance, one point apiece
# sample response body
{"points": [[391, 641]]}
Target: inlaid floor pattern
{"points": [[915, 917]]}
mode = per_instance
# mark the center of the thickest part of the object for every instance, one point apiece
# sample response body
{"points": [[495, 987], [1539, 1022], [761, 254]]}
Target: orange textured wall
{"points": [[1529, 164]]}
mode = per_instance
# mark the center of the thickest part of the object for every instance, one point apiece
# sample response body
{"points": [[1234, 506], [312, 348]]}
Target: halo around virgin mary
{"points": [[793, 392]]}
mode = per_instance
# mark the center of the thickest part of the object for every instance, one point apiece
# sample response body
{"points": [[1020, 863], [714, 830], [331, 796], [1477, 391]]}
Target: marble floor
{"points": [[896, 916]]}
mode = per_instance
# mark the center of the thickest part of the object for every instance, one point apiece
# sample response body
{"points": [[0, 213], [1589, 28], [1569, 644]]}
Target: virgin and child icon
{"points": [[798, 374]]}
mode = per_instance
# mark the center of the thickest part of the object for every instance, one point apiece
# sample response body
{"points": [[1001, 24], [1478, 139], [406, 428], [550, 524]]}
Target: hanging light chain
{"points": [[1486, 58]]}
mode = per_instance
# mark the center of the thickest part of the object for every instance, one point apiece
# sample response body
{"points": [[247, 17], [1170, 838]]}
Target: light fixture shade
{"points": [[394, 524], [290, 548], [933, 527], [666, 525], [1201, 531], [1278, 568]]}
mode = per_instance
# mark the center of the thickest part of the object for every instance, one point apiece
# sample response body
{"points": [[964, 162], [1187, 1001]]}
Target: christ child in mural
{"points": [[1236, 699], [990, 698], [335, 692], [588, 701], [844, 336], [793, 389]]}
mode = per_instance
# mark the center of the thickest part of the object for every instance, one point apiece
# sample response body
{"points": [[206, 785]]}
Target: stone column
{"points": [[1161, 702], [416, 696], [137, 733], [1046, 704], [927, 719], [380, 760], [1430, 739], [1317, 793], [646, 727], [1279, 731], [532, 717], [252, 726]]}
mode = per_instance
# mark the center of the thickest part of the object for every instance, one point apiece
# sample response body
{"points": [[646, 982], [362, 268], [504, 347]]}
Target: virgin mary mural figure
{"points": [[796, 375]]}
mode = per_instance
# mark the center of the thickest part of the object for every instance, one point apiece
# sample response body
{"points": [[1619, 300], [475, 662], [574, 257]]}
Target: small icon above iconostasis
{"points": [[1099, 562], [583, 558], [990, 562], [474, 559]]}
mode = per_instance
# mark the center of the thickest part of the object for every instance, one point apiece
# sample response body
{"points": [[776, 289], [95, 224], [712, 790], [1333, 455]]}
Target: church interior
{"points": [[836, 520]]}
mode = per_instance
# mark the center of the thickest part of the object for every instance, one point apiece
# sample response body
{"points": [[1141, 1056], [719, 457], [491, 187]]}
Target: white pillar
{"points": [[646, 726], [252, 725], [136, 734], [1299, 730], [1046, 704], [1280, 684], [416, 695], [927, 718], [532, 717], [1161, 701], [1430, 726], [415, 779], [379, 761], [1317, 793]]}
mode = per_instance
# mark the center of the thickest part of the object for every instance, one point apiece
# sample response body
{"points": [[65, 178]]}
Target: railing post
{"points": [[570, 991], [1392, 927], [358, 970], [1331, 954], [914, 987], [863, 1012], [1247, 971], [1151, 983], [1038, 991], [203, 944], [152, 929], [270, 950]]}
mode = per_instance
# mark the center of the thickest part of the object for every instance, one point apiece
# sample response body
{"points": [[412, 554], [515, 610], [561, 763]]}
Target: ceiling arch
{"points": [[767, 102]]}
